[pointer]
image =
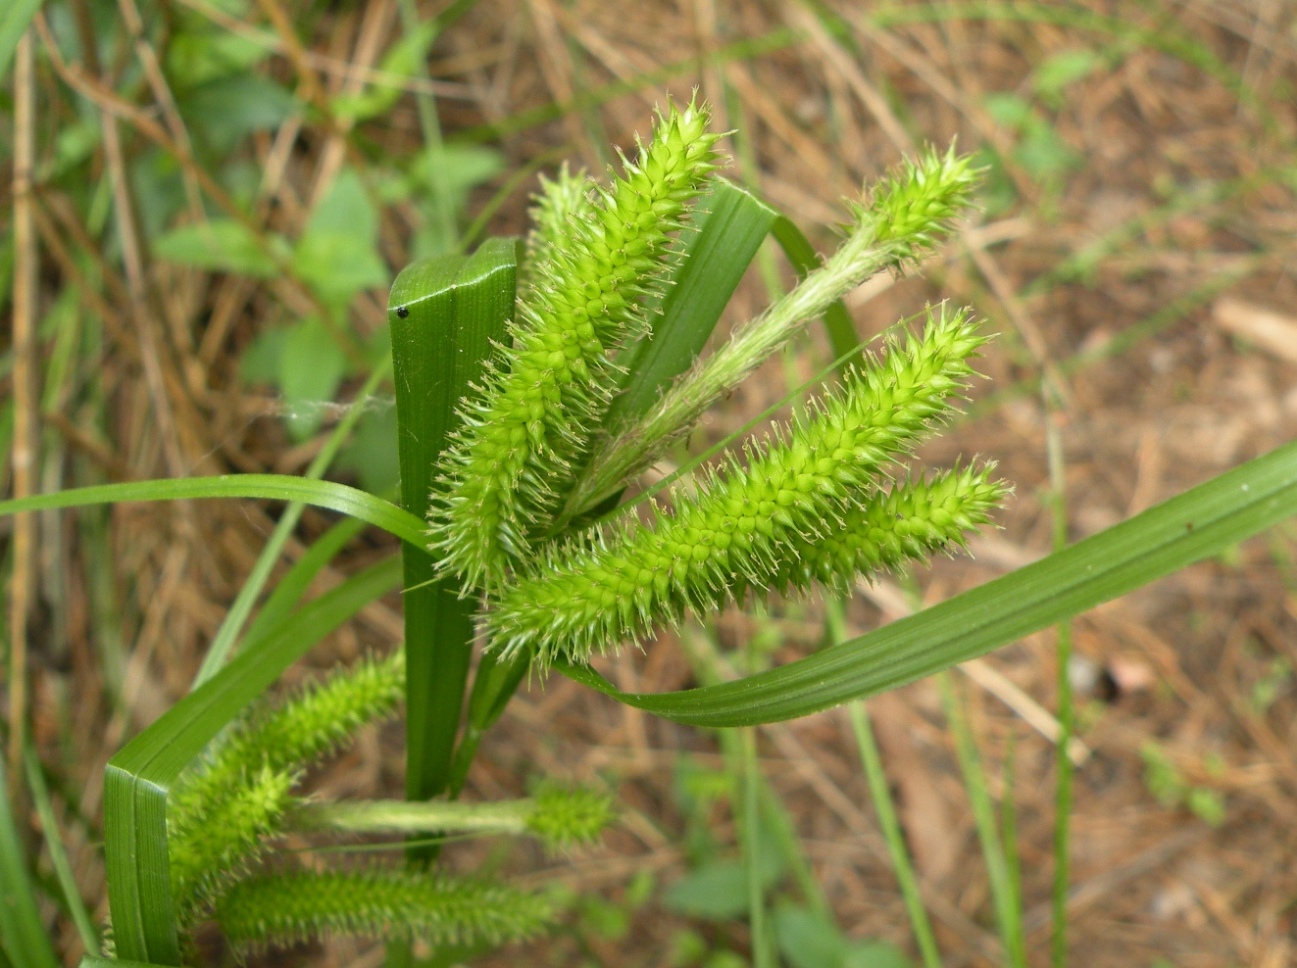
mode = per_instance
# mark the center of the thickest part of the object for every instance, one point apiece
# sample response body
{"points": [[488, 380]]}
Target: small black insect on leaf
{"points": [[402, 311]]}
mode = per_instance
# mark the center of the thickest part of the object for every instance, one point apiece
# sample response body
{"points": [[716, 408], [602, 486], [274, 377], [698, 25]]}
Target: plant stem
{"points": [[414, 817], [1066, 717], [1008, 910], [881, 795]]}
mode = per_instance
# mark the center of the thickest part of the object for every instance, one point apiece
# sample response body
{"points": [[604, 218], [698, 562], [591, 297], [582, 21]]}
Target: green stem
{"points": [[1066, 719], [880, 793], [414, 817], [1008, 911]]}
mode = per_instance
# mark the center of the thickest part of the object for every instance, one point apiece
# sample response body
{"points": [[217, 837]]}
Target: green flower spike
{"points": [[566, 200], [906, 214], [218, 815], [285, 908], [738, 531], [543, 393]]}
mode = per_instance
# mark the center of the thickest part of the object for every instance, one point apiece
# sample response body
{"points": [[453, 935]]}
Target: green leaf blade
{"points": [[444, 314], [138, 778]]}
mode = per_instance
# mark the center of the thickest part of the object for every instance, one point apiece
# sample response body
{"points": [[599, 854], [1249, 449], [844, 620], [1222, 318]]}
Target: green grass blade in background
{"points": [[63, 872], [731, 224], [444, 313], [138, 778], [241, 607], [22, 938], [290, 589], [1201, 522], [271, 487]]}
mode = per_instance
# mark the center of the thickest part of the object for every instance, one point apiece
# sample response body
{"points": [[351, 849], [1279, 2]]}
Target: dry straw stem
{"points": [[907, 214], [766, 523], [548, 390]]}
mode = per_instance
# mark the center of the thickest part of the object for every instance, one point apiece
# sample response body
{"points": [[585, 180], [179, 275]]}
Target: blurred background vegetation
{"points": [[204, 202]]}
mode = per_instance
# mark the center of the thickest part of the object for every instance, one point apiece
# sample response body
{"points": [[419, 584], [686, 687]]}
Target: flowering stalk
{"points": [[741, 530], [908, 213], [558, 816], [546, 393]]}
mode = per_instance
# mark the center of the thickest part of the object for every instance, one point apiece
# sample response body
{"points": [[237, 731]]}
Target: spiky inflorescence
{"points": [[220, 842], [592, 594], [281, 909], [218, 815], [561, 202], [907, 213], [908, 522], [547, 390], [562, 817]]}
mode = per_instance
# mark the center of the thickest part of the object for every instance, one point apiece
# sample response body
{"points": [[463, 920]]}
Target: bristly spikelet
{"points": [[909, 522], [292, 735], [218, 815], [906, 214], [918, 205], [285, 908], [214, 846], [543, 393], [563, 817], [737, 531], [561, 202]]}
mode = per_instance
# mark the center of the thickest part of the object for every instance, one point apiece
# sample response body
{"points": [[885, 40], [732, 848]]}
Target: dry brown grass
{"points": [[1169, 359]]}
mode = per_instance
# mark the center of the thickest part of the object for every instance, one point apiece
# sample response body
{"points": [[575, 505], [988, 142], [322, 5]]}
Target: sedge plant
{"points": [[524, 520]]}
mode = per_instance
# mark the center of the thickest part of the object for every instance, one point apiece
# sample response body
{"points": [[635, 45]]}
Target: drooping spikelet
{"points": [[546, 391], [741, 529]]}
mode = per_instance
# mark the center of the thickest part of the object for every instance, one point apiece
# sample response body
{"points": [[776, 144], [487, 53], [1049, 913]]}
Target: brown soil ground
{"points": [[1144, 299]]}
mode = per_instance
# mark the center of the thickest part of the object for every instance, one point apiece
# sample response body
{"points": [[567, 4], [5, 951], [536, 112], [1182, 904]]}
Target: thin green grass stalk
{"points": [[58, 856], [237, 615], [1066, 718], [906, 215], [1008, 906], [880, 792], [274, 910], [542, 400], [881, 795], [751, 774], [22, 936], [710, 666], [1009, 835]]}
